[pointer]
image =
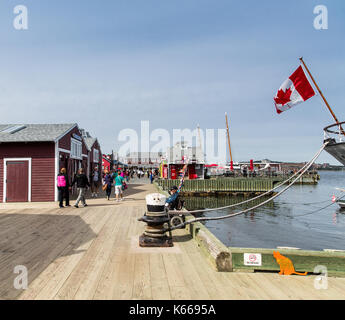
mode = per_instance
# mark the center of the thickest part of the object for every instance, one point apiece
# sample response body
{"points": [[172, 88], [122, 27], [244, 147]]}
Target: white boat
{"points": [[341, 203], [335, 135]]}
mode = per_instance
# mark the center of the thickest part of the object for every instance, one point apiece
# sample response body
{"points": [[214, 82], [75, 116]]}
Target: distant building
{"points": [[179, 155], [294, 166], [143, 159], [106, 163]]}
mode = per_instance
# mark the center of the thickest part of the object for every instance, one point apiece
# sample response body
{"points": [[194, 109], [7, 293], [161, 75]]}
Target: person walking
{"points": [[118, 187], [108, 181], [151, 177], [127, 175], [82, 183], [63, 188], [114, 174], [95, 182]]}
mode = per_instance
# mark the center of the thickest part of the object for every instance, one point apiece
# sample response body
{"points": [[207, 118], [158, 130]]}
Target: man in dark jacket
{"points": [[82, 183]]}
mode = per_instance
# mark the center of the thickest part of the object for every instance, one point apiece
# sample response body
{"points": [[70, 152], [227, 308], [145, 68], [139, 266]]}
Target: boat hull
{"points": [[341, 204], [337, 150]]}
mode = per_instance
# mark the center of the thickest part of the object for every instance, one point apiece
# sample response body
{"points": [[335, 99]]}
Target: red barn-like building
{"points": [[94, 154], [106, 163], [31, 156]]}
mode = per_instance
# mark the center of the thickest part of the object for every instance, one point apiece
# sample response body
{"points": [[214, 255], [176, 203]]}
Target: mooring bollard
{"points": [[155, 217]]}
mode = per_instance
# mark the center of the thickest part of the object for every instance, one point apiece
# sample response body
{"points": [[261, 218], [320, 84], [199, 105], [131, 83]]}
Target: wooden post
{"points": [[227, 130], [323, 97]]}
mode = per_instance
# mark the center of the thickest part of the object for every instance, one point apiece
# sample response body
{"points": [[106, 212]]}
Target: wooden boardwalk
{"points": [[93, 253]]}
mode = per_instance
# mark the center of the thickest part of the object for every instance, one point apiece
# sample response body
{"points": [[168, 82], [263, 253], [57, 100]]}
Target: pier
{"points": [[93, 253], [236, 185]]}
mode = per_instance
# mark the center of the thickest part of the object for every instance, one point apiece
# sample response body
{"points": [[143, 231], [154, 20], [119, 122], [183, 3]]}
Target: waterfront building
{"points": [[106, 163], [179, 155], [143, 159], [94, 153], [31, 156]]}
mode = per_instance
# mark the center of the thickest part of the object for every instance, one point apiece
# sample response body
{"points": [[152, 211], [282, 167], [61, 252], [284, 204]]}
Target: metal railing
{"points": [[334, 132]]}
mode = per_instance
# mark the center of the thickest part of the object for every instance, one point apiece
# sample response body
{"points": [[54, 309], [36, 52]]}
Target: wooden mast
{"points": [[227, 130], [321, 94], [199, 136]]}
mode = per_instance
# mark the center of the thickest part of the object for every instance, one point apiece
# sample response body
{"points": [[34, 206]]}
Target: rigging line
{"points": [[320, 209], [257, 206], [265, 193], [308, 203]]}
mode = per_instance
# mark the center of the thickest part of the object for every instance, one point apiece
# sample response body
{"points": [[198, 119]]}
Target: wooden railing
{"points": [[239, 184], [222, 185]]}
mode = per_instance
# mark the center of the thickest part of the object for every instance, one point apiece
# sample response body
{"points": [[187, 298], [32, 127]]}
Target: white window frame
{"points": [[5, 176], [95, 155], [76, 149]]}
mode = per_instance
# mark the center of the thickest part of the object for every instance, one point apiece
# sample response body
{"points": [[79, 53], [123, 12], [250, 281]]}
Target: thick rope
{"points": [[320, 209], [259, 196], [310, 163]]}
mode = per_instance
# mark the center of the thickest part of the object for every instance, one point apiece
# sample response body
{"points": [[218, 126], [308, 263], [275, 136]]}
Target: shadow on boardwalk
{"points": [[133, 189], [35, 241]]}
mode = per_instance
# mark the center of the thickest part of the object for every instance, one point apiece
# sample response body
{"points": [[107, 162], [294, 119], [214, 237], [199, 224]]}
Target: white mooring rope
{"points": [[299, 173]]}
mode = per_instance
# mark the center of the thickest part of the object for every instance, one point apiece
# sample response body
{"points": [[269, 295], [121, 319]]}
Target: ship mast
{"points": [[323, 97], [227, 130], [199, 137]]}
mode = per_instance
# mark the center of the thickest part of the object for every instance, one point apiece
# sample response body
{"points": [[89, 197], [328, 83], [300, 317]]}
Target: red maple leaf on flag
{"points": [[283, 97]]}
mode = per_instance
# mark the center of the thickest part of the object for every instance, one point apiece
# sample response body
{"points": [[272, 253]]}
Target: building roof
{"points": [[33, 132], [143, 155], [89, 142]]}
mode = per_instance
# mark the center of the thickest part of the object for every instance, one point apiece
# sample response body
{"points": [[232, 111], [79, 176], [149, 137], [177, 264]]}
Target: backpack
{"points": [[61, 181]]}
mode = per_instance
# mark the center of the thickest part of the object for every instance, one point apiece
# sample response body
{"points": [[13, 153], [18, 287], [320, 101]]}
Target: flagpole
{"points": [[323, 97], [227, 130]]}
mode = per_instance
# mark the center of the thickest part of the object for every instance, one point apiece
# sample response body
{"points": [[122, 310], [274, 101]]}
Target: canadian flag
{"points": [[294, 90]]}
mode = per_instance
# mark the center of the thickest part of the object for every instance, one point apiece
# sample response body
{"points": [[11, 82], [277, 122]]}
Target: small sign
{"points": [[252, 259]]}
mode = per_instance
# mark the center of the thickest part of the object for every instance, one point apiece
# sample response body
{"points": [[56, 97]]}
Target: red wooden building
{"points": [[106, 163], [31, 156], [94, 154]]}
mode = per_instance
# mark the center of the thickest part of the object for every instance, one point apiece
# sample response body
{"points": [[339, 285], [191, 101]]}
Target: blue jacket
{"points": [[172, 198], [108, 179]]}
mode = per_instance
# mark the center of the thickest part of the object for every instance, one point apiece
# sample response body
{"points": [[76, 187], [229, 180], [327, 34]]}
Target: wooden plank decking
{"points": [[93, 253]]}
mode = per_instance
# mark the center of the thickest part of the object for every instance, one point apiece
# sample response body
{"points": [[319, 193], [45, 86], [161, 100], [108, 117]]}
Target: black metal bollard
{"points": [[155, 218]]}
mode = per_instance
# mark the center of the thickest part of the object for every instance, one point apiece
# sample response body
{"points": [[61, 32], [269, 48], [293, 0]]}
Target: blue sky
{"points": [[107, 65]]}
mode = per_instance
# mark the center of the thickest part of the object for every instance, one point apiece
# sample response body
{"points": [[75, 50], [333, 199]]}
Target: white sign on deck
{"points": [[252, 259]]}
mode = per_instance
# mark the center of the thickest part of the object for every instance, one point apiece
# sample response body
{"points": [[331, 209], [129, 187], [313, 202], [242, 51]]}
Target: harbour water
{"points": [[294, 219]]}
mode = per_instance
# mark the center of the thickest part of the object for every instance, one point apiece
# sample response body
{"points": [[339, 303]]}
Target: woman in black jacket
{"points": [[82, 183]]}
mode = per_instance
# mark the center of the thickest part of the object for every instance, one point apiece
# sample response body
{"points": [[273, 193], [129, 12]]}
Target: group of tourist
{"points": [[140, 173], [64, 187], [116, 179]]}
